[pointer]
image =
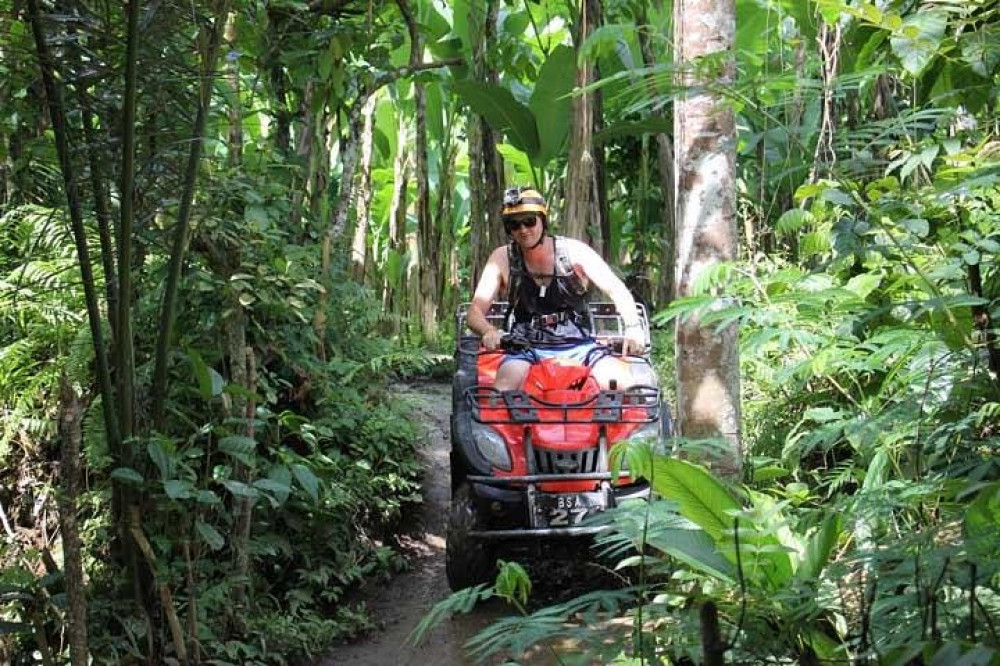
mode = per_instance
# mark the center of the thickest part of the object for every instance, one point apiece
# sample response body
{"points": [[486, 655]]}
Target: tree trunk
{"points": [[394, 293], [585, 217], [663, 289], [485, 163], [335, 230], [70, 435], [305, 136], [427, 237], [707, 358], [241, 359], [60, 130], [442, 220], [363, 205]]}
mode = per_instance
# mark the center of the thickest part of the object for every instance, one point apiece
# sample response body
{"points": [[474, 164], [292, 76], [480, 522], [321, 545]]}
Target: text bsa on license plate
{"points": [[566, 509]]}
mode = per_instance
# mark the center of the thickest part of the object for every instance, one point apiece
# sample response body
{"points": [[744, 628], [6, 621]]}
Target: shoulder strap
{"points": [[515, 272], [563, 263]]}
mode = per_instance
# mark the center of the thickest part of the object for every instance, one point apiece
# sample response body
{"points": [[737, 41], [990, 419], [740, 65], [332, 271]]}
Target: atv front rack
{"points": [[638, 404]]}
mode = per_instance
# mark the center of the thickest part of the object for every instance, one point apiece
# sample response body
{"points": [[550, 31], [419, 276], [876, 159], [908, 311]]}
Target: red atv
{"points": [[529, 466]]}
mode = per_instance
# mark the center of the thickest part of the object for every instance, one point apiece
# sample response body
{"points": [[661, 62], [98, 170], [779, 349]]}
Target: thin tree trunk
{"points": [[182, 227], [99, 186], [712, 645], [394, 293], [707, 357], [584, 218], [70, 435], [359, 245], [305, 140], [663, 290], [335, 230], [442, 220], [984, 323], [485, 163], [426, 233], [166, 597]]}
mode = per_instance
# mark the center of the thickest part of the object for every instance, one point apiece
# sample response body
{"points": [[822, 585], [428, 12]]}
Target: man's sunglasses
{"points": [[526, 222]]}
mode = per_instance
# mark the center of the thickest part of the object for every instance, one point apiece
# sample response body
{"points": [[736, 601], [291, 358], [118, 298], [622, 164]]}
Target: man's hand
{"points": [[633, 340], [491, 339]]}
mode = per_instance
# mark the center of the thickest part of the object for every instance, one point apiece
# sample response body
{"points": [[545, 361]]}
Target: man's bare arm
{"points": [[486, 290], [601, 275]]}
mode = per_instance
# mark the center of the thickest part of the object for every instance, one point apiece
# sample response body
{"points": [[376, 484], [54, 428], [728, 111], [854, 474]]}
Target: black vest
{"points": [[554, 314]]}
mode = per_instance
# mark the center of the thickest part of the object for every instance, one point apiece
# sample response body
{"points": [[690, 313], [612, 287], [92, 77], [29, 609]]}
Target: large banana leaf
{"points": [[551, 103], [705, 501], [504, 114], [701, 498]]}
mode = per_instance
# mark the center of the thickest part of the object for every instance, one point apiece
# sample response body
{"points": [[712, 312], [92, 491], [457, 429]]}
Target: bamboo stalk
{"points": [[60, 129], [181, 229]]}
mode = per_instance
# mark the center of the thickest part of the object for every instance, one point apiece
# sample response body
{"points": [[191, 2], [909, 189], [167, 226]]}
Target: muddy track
{"points": [[402, 603]]}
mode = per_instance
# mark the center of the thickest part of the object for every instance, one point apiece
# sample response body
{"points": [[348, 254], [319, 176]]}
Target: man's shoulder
{"points": [[576, 248]]}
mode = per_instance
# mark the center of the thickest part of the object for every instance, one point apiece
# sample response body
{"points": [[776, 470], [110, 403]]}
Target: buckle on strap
{"points": [[549, 320]]}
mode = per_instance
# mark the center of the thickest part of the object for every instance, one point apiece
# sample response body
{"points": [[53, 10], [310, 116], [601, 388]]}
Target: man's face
{"points": [[525, 229]]}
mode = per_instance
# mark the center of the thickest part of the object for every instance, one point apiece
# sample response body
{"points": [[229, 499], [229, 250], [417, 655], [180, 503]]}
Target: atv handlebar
{"points": [[512, 342]]}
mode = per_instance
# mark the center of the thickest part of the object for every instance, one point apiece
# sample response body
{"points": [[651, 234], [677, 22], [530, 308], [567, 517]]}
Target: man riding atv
{"points": [[536, 409], [546, 279]]}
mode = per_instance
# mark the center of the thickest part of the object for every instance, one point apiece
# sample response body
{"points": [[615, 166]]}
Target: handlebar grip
{"points": [[512, 342]]}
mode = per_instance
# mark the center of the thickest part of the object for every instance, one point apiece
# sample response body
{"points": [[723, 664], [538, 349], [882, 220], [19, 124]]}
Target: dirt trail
{"points": [[401, 604]]}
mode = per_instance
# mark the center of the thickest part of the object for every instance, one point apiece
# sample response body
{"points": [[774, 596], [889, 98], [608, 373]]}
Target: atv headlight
{"points": [[491, 446]]}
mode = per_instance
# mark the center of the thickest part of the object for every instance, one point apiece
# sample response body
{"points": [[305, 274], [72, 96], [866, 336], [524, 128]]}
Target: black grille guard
{"points": [[605, 407]]}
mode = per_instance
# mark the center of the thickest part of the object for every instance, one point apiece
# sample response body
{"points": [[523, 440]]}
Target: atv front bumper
{"points": [[517, 507]]}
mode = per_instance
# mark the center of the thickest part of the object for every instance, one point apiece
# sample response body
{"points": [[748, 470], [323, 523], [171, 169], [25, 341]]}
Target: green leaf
{"points": [[504, 114], [127, 475], [981, 49], [551, 103], [864, 284], [240, 489], [917, 41], [240, 447], [820, 546], [307, 480], [513, 582], [278, 489], [792, 221], [281, 476], [177, 489], [209, 535], [210, 382], [700, 497], [208, 497], [164, 462], [434, 111], [695, 548], [981, 526], [636, 128]]}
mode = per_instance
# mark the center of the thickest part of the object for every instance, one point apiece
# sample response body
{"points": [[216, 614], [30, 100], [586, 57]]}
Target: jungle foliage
{"points": [[263, 474]]}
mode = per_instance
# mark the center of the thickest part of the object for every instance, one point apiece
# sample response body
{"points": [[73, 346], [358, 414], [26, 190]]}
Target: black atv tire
{"points": [[468, 561]]}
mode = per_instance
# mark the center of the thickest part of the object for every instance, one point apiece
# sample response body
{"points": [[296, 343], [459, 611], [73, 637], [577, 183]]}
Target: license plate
{"points": [[566, 509]]}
